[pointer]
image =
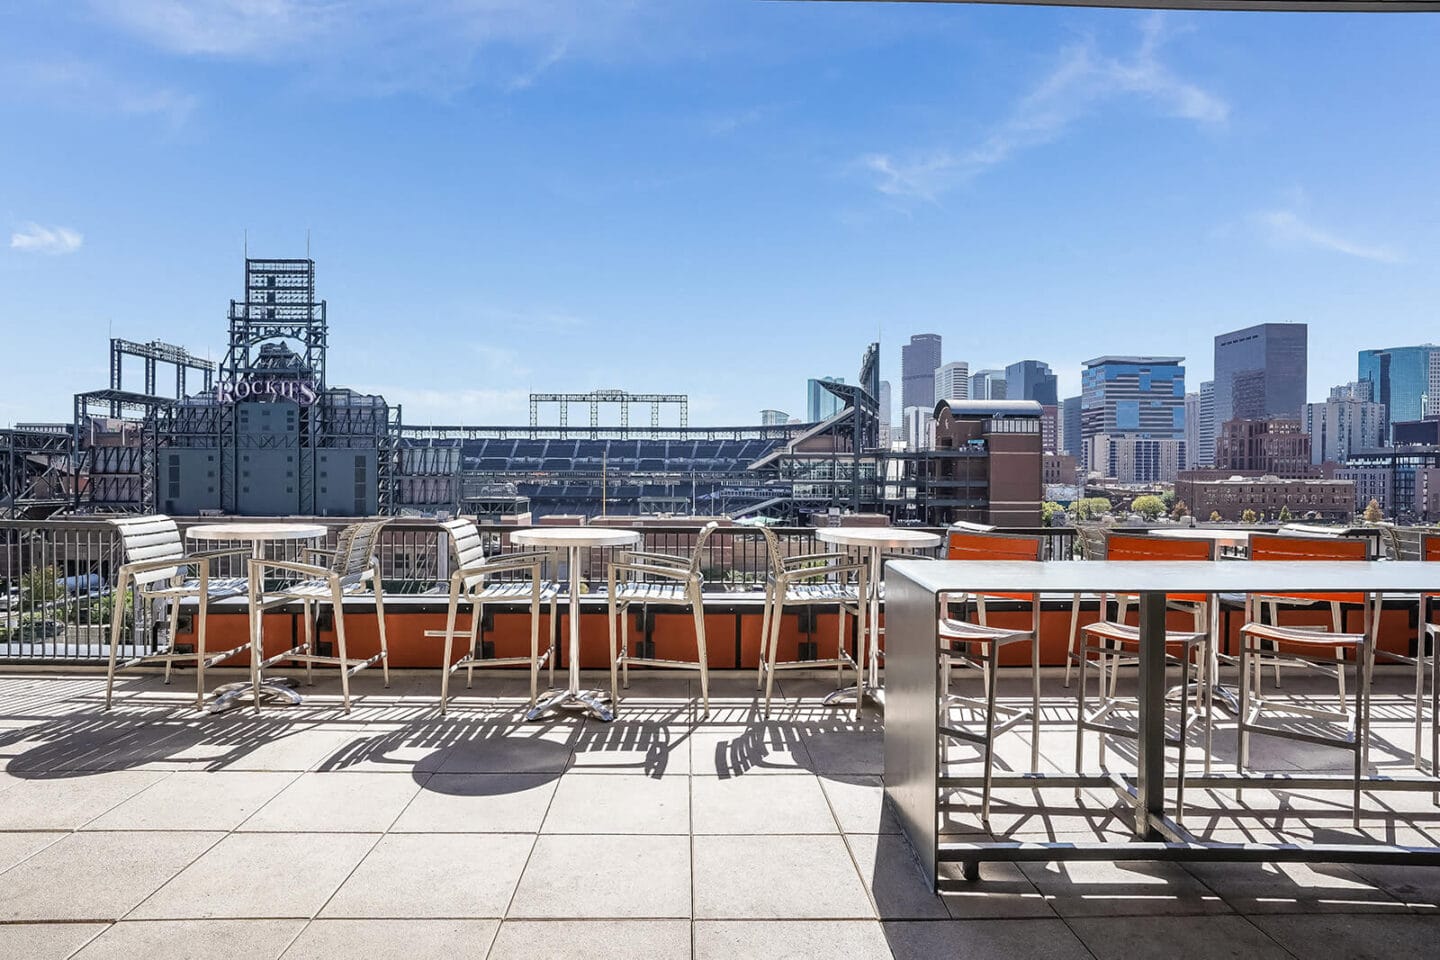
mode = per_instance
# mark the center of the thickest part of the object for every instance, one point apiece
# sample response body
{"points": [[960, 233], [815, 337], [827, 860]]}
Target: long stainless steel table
{"points": [[913, 778]]}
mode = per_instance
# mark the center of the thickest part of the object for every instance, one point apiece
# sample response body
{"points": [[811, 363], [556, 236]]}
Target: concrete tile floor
{"points": [[395, 832]]}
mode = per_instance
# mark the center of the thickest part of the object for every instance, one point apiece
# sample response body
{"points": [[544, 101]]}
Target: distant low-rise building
{"points": [[1267, 496], [987, 463], [1129, 459], [1278, 446]]}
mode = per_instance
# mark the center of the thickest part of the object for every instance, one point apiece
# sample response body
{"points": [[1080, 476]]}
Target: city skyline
{"points": [[714, 182]]}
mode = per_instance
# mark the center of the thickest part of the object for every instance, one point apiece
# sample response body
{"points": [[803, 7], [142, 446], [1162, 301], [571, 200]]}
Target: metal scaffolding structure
{"points": [[155, 353], [120, 476], [621, 398], [35, 469]]}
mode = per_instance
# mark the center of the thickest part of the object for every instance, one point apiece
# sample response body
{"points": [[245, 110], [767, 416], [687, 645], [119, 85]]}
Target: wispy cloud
{"points": [[1289, 228], [78, 84], [387, 46], [1083, 80], [33, 238]]}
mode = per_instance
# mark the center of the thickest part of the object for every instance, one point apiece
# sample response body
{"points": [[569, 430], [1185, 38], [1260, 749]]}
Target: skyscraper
{"points": [[1070, 429], [1140, 398], [1031, 380], [988, 385], [1343, 424], [1405, 379], [1205, 432], [1260, 372], [1192, 429], [919, 359], [887, 425], [952, 382], [774, 418], [821, 404]]}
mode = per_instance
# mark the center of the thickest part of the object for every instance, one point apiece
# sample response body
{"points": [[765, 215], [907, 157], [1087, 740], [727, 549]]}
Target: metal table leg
{"points": [[275, 691], [870, 669], [594, 702]]}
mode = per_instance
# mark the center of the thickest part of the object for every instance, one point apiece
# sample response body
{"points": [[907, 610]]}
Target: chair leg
{"points": [[338, 611], [170, 639], [625, 644], [449, 647], [1074, 636], [380, 625], [1184, 731], [1242, 733], [1081, 669], [118, 609], [991, 658], [554, 621], [771, 650], [535, 647], [309, 611], [257, 641], [697, 604], [1035, 696], [203, 613], [614, 651], [764, 639], [477, 619], [1361, 709]]}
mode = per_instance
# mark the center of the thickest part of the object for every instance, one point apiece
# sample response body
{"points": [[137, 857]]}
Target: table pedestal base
{"points": [[596, 703], [875, 695], [276, 692]]}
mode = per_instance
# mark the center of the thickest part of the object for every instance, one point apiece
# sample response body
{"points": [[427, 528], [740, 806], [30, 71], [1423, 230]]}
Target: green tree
{"points": [[1373, 513], [1248, 516], [1215, 517], [1179, 510], [39, 587], [1285, 515], [1090, 508], [1168, 498], [1149, 506], [1049, 510]]}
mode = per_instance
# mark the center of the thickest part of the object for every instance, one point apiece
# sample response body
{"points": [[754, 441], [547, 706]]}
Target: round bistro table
{"points": [[874, 541], [277, 691], [574, 540]]}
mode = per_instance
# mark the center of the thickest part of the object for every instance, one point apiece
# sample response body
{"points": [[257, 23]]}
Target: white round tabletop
{"points": [[575, 537], [253, 532], [895, 538]]}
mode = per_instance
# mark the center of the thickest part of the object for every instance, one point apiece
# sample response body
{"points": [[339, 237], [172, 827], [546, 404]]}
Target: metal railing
{"points": [[56, 575]]}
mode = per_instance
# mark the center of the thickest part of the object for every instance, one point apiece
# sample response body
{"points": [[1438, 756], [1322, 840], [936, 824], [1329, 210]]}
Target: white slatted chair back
{"points": [[698, 553], [772, 545], [150, 538], [466, 547], [355, 550]]}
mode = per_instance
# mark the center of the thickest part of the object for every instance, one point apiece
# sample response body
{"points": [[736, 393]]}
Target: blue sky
{"points": [[717, 198]]}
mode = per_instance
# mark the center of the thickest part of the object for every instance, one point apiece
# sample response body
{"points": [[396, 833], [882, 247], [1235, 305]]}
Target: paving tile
{"points": [[630, 939], [394, 939], [1003, 891], [69, 802], [97, 876], [291, 748], [605, 877], [336, 802], [859, 804], [760, 805], [777, 877], [259, 875], [1119, 888], [193, 940], [527, 748], [654, 749], [759, 748], [1419, 887], [984, 940], [843, 750], [195, 801], [892, 875], [434, 875], [1253, 888], [45, 941], [599, 803], [479, 803], [790, 939], [1185, 938], [1379, 937], [15, 847]]}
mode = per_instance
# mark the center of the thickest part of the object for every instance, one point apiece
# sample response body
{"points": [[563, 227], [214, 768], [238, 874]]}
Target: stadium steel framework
{"points": [[35, 468], [619, 397], [154, 353]]}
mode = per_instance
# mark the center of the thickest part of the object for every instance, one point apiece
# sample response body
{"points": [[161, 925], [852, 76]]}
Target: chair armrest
{"points": [[291, 566], [658, 558], [813, 557], [499, 565], [669, 573], [811, 573], [190, 560], [313, 552]]}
